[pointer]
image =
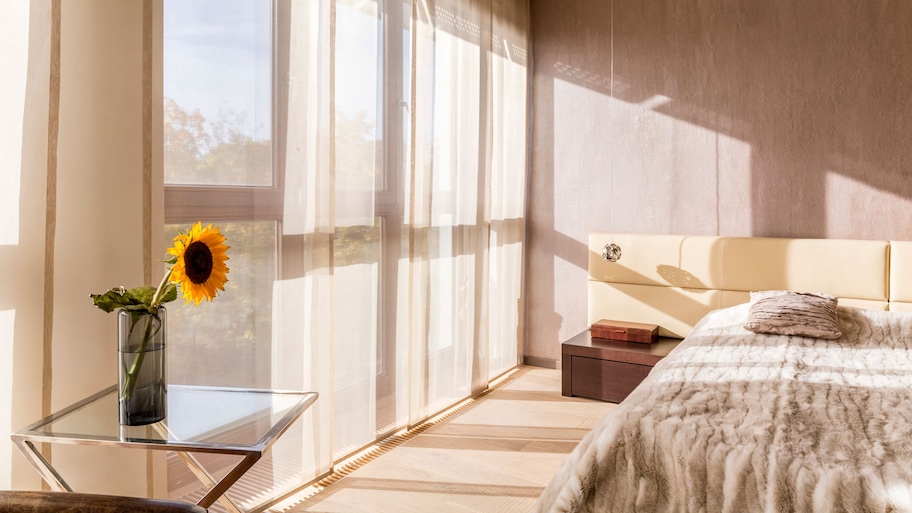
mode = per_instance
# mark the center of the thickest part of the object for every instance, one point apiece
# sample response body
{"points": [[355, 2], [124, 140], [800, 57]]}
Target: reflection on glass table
{"points": [[243, 422]]}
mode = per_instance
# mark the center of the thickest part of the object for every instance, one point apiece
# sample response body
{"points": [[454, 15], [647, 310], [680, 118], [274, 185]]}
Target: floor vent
{"points": [[346, 467]]}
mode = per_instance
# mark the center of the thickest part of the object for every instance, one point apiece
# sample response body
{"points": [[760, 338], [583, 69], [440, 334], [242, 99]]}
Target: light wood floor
{"points": [[494, 455]]}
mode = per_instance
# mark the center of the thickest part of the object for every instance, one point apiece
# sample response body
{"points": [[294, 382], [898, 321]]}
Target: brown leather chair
{"points": [[59, 502]]}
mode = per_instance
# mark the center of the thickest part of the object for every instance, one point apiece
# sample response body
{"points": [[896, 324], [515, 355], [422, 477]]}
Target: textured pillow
{"points": [[784, 312]]}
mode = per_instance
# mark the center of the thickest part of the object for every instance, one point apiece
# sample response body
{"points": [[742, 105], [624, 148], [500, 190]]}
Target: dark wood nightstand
{"points": [[608, 370]]}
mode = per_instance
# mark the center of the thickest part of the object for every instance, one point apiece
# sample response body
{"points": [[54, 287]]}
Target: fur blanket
{"points": [[733, 421]]}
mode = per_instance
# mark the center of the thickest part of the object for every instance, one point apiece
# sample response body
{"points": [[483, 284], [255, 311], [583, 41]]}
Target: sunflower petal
{"points": [[210, 274]]}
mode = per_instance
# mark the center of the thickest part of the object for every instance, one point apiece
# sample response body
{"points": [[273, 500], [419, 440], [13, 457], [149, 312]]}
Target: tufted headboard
{"points": [[674, 280]]}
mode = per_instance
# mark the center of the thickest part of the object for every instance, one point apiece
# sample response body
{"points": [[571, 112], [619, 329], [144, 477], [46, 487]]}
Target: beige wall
{"points": [[710, 118], [99, 199]]}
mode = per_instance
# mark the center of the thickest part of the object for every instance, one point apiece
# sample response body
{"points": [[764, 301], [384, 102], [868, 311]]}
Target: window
{"points": [[218, 93], [219, 167], [218, 143], [228, 89], [376, 231]]}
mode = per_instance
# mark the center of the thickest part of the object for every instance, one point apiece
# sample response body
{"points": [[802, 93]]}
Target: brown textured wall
{"points": [[753, 117]]}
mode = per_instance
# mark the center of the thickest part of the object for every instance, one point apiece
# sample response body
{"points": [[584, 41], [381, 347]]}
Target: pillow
{"points": [[784, 312]]}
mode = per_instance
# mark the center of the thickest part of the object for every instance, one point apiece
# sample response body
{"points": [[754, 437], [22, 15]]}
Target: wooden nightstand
{"points": [[608, 370]]}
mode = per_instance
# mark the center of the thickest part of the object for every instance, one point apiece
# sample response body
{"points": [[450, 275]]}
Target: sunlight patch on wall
{"points": [[855, 206], [637, 166], [655, 102], [14, 23], [7, 318], [582, 147]]}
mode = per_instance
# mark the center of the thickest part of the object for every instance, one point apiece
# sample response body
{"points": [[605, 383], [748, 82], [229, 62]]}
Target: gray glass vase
{"points": [[142, 390]]}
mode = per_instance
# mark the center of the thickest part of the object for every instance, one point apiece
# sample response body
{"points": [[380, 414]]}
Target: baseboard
{"points": [[536, 361]]}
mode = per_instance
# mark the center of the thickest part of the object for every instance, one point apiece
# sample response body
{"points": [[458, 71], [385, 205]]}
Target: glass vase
{"points": [[142, 391]]}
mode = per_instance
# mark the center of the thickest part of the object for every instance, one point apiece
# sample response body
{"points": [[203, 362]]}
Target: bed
{"points": [[739, 421]]}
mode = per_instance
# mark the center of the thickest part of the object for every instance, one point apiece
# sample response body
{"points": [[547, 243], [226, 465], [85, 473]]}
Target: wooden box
{"points": [[626, 331]]}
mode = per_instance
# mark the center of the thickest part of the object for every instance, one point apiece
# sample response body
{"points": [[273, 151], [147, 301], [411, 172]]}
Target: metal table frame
{"points": [[163, 439]]}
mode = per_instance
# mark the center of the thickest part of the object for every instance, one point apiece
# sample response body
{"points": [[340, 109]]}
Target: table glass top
{"points": [[198, 417]]}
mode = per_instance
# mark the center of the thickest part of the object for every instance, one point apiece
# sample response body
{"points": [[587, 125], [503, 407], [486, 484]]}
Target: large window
{"points": [[219, 168], [363, 158], [229, 94]]}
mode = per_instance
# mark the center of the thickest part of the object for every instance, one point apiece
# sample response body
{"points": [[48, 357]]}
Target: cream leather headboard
{"points": [[674, 280]]}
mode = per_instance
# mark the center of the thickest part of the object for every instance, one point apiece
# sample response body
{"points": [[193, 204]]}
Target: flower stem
{"points": [[157, 297], [133, 372]]}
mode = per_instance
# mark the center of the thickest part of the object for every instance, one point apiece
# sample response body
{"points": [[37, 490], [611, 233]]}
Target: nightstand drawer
{"points": [[604, 379], [607, 370]]}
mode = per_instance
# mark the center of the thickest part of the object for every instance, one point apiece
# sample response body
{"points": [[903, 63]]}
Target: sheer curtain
{"points": [[394, 205], [402, 146]]}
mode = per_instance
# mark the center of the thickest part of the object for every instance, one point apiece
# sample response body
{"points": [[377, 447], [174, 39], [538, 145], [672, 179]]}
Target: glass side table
{"points": [[243, 422]]}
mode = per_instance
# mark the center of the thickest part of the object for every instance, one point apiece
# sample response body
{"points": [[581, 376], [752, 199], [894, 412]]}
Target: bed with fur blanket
{"points": [[734, 421]]}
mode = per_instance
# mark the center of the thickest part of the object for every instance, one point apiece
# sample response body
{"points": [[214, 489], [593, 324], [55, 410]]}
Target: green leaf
{"points": [[137, 299], [170, 293], [142, 295], [114, 299]]}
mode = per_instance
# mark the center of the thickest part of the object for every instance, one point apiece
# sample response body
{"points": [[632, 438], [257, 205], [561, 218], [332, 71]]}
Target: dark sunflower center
{"points": [[198, 262]]}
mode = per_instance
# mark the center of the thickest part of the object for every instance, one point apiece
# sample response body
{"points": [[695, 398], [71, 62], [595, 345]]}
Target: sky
{"points": [[217, 56]]}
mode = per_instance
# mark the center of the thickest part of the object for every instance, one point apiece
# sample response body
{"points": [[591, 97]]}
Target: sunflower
{"points": [[199, 267]]}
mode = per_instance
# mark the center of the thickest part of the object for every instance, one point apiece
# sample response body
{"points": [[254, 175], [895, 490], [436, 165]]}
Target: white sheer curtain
{"points": [[506, 202], [445, 212], [466, 196], [404, 175], [303, 338]]}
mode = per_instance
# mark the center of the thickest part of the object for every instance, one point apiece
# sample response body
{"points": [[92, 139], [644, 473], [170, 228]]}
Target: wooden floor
{"points": [[494, 455]]}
